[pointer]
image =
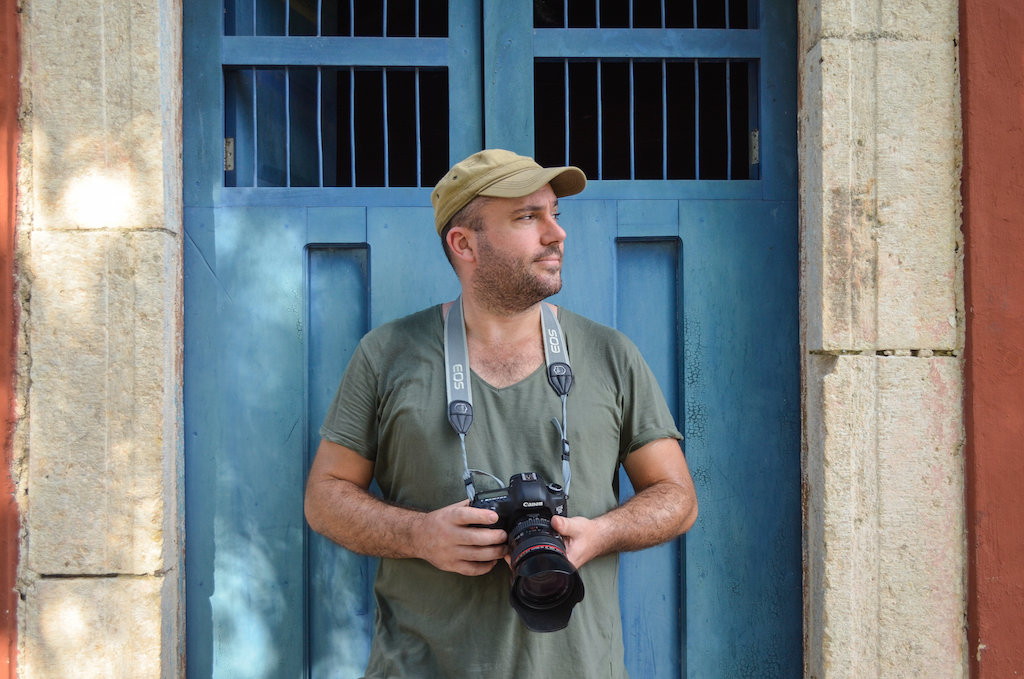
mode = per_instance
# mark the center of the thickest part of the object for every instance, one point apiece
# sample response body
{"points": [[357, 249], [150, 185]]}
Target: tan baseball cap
{"points": [[499, 174]]}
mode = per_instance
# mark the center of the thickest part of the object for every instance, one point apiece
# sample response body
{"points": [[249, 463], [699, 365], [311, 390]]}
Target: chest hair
{"points": [[502, 365]]}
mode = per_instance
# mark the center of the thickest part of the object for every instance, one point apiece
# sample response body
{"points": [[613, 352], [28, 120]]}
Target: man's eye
{"points": [[557, 215]]}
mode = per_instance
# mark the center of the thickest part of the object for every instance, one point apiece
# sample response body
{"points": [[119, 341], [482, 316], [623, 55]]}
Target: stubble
{"points": [[507, 286]]}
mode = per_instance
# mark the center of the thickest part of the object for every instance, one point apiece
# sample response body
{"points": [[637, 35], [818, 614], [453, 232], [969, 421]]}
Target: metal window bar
{"points": [[632, 130], [287, 126], [597, 14], [565, 20], [600, 125], [319, 32], [255, 129], [727, 26], [728, 118], [631, 26], [320, 127], [416, 32], [566, 78], [695, 22], [351, 33], [352, 120], [384, 112], [663, 23], [287, 31], [696, 115], [664, 109], [384, 33], [419, 145]]}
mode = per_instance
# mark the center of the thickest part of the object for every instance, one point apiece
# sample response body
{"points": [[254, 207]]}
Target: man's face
{"points": [[519, 252]]}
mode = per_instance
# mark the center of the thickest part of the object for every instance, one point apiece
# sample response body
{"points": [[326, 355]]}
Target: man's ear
{"points": [[462, 243]]}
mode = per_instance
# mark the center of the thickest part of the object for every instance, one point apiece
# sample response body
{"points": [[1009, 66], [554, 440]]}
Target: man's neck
{"points": [[503, 349]]}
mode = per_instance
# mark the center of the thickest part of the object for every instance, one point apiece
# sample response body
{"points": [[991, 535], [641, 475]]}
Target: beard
{"points": [[507, 286]]}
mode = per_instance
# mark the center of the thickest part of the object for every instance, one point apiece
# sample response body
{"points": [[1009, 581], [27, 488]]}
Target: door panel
{"points": [[741, 382], [649, 581], [338, 311], [282, 281]]}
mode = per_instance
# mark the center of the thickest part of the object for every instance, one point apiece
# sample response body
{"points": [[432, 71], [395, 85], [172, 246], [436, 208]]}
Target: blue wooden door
{"points": [[312, 225]]}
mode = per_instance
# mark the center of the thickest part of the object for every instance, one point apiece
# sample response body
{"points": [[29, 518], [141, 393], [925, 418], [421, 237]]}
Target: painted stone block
{"points": [[105, 335], [880, 142], [97, 628], [105, 93], [885, 531]]}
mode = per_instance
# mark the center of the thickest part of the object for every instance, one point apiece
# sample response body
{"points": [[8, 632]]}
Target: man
{"points": [[442, 585]]}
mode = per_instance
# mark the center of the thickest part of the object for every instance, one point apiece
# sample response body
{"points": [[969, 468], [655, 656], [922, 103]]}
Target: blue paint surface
{"points": [[650, 43]]}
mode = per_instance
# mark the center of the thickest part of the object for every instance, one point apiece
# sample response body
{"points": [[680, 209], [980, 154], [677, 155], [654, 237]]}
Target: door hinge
{"points": [[755, 147], [229, 154]]}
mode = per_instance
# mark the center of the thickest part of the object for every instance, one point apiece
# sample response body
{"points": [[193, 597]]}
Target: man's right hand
{"points": [[446, 538]]}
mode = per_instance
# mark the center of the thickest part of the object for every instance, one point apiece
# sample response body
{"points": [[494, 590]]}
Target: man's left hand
{"points": [[580, 535]]}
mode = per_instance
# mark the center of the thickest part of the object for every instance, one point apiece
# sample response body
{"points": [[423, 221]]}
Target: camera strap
{"points": [[460, 392]]}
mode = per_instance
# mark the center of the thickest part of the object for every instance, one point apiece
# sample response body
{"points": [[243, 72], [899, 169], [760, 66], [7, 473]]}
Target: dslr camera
{"points": [[545, 585]]}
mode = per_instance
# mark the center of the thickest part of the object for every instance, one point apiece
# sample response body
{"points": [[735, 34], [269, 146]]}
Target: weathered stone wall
{"points": [[882, 327], [100, 257]]}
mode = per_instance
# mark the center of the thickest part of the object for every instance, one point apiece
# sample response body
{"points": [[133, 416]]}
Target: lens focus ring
{"points": [[523, 526]]}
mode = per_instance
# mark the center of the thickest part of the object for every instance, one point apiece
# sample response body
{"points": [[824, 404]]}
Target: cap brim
{"points": [[565, 181]]}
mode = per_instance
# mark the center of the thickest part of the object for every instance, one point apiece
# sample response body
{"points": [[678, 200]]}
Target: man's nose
{"points": [[553, 231]]}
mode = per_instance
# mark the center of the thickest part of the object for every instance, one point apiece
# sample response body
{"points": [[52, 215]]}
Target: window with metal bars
{"points": [[644, 14], [334, 125], [327, 126], [633, 118], [644, 119]]}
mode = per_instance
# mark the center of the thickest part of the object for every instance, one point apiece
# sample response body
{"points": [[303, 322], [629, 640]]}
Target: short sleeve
{"points": [[352, 420], [646, 416]]}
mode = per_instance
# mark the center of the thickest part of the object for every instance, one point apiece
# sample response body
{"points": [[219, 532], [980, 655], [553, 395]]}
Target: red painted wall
{"points": [[992, 77], [9, 93]]}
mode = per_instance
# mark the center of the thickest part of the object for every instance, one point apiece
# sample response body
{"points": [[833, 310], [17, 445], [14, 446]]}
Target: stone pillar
{"points": [[882, 329], [100, 251]]}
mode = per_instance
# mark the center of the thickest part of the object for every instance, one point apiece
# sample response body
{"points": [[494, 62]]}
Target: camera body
{"points": [[527, 496], [545, 584]]}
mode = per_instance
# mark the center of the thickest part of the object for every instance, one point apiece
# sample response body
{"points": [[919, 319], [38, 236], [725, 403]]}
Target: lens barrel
{"points": [[545, 584]]}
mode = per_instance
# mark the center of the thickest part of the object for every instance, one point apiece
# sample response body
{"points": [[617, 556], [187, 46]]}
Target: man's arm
{"points": [[665, 506], [339, 507]]}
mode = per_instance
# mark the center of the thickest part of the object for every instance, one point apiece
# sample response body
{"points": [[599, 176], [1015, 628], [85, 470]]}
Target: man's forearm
{"points": [[360, 521], [655, 515], [450, 537]]}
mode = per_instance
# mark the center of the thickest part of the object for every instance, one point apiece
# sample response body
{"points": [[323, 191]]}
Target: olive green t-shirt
{"points": [[391, 408]]}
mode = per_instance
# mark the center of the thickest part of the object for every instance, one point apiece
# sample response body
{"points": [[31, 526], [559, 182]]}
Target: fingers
{"points": [[489, 553], [472, 560], [479, 537], [563, 526], [468, 516], [578, 538]]}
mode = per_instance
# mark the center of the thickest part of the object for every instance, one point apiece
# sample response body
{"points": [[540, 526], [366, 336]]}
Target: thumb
{"points": [[562, 525]]}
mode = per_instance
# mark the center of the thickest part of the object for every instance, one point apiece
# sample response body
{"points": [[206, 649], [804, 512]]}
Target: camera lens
{"points": [[545, 585], [548, 587]]}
